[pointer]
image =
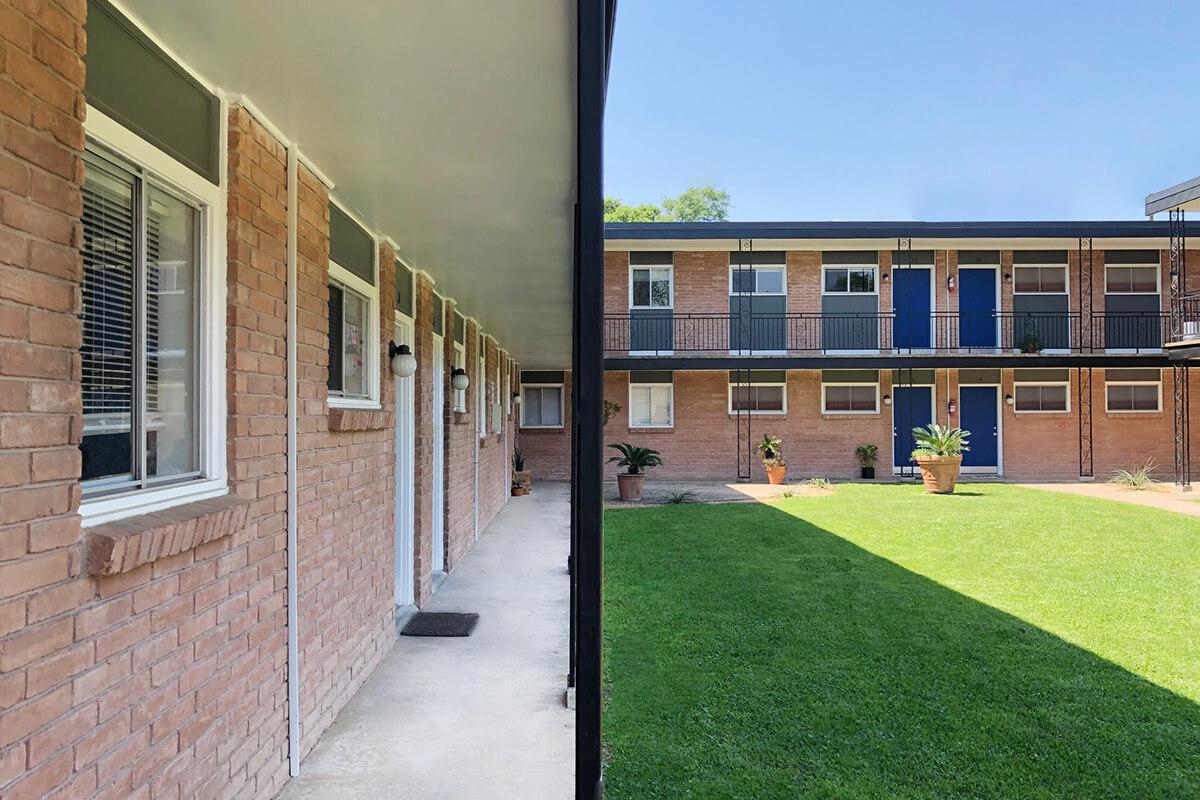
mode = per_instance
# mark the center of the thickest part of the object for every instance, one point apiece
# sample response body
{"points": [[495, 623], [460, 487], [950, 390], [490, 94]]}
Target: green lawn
{"points": [[882, 643]]}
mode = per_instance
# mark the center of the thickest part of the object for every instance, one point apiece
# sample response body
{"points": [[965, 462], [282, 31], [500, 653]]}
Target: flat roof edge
{"points": [[1095, 229]]}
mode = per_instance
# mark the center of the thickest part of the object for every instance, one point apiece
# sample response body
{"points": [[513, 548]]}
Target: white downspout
{"points": [[293, 635]]}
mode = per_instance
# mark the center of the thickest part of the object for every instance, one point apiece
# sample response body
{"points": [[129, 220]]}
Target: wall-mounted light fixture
{"points": [[459, 379], [887, 399], [886, 277], [516, 398], [1009, 399], [401, 359], [1008, 277], [952, 407], [950, 283]]}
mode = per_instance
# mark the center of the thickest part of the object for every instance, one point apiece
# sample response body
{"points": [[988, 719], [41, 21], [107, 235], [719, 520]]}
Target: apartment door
{"points": [[405, 484], [912, 304], [980, 414], [977, 307], [912, 407], [438, 553]]}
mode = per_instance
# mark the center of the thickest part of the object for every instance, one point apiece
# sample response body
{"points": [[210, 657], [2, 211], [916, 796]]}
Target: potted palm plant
{"points": [[772, 457], [939, 455], [520, 474], [867, 455], [635, 460]]}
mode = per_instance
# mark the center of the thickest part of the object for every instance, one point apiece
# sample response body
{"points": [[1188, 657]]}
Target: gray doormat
{"points": [[441, 623]]}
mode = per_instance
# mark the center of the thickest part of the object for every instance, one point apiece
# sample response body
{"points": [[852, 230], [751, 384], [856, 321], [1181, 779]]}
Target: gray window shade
{"points": [[133, 81], [542, 406], [460, 328], [651, 376], [542, 376], [1041, 375], [404, 289], [351, 247], [1138, 375], [850, 376], [760, 376]]}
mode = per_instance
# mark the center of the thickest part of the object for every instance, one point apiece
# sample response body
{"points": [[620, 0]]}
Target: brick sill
{"points": [[651, 431], [125, 545], [357, 419]]}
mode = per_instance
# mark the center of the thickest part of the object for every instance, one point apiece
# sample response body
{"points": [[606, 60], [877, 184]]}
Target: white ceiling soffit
{"points": [[448, 126]]}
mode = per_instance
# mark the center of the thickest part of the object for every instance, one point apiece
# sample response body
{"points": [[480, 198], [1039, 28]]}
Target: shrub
{"points": [[867, 454], [1138, 479], [772, 451], [635, 459], [679, 498], [937, 441]]}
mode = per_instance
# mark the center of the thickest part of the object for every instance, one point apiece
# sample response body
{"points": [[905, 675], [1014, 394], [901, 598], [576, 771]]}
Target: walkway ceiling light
{"points": [[459, 379], [402, 361]]}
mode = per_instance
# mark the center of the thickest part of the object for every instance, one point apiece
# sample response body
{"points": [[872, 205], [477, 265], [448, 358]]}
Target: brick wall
{"points": [[548, 451], [461, 434], [423, 437]]}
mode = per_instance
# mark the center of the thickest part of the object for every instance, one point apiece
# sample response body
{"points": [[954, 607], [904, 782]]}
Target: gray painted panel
{"points": [[850, 322], [1046, 316], [1132, 321], [651, 330], [763, 317]]}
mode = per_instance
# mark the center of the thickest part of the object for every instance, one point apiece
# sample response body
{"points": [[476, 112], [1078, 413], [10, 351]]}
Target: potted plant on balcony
{"points": [[635, 460], [867, 455], [1031, 342], [520, 474], [772, 457], [939, 455]]}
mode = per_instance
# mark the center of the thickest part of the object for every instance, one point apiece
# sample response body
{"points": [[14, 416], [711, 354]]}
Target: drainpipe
{"points": [[293, 636]]}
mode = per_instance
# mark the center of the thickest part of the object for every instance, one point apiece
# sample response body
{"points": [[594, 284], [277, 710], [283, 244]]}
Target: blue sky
{"points": [[905, 110]]}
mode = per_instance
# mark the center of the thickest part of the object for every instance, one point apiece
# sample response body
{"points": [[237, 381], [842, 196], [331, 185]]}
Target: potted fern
{"points": [[772, 457], [635, 460], [867, 455], [939, 455]]}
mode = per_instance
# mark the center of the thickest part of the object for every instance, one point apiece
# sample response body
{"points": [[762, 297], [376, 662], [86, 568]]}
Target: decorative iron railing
{"points": [[1187, 322], [665, 334]]}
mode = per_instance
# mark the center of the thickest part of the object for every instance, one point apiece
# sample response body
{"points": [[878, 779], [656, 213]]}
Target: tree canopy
{"points": [[697, 204]]}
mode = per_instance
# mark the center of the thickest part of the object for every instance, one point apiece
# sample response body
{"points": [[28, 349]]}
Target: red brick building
{"points": [[832, 335], [218, 489]]}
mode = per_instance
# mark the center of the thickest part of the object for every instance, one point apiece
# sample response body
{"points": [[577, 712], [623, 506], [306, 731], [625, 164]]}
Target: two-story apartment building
{"points": [[1045, 340]]}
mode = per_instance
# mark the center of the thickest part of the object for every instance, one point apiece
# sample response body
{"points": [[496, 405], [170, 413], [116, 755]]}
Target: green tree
{"points": [[616, 211], [697, 204]]}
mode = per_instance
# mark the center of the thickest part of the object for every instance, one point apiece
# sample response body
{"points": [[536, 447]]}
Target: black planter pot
{"points": [[868, 473]]}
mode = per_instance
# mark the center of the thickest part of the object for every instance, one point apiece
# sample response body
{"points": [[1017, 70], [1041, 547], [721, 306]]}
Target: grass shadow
{"points": [[753, 654]]}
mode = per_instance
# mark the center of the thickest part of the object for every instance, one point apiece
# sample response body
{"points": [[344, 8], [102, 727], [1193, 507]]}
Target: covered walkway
{"points": [[476, 717]]}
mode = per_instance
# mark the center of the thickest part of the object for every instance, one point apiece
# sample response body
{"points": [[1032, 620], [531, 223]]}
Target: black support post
{"points": [[1183, 427], [587, 387], [745, 330], [1084, 382]]}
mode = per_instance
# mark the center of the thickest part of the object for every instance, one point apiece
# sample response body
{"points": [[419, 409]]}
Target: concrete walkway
{"points": [[482, 716], [1164, 496]]}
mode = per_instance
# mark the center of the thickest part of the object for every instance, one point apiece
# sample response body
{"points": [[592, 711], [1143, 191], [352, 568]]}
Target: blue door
{"points": [[910, 303], [912, 407], [978, 415], [977, 307]]}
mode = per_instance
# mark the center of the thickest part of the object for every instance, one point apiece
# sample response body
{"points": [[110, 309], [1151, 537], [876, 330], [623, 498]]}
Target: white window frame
{"points": [[561, 405], [733, 412], [825, 409], [1157, 280], [504, 381], [1157, 384], [1066, 268], [210, 379], [874, 269], [481, 373], [1065, 384], [371, 347], [757, 268], [670, 387], [670, 268]]}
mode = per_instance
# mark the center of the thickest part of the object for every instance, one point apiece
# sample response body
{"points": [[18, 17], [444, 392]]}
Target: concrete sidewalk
{"points": [[476, 717]]}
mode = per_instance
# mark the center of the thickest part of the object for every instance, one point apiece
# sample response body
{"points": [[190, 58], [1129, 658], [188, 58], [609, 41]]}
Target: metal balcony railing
{"points": [[1186, 324], [665, 334]]}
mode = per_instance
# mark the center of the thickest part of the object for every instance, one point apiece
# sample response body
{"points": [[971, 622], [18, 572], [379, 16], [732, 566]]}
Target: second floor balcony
{"points": [[667, 334]]}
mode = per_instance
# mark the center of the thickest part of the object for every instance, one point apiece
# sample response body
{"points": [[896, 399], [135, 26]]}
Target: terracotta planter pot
{"points": [[520, 491], [775, 475], [630, 486], [939, 474], [524, 477]]}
